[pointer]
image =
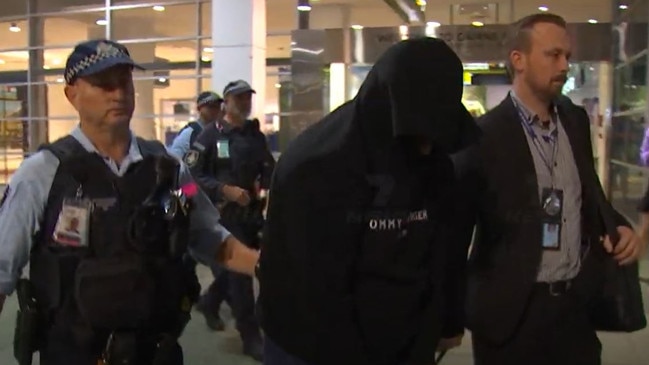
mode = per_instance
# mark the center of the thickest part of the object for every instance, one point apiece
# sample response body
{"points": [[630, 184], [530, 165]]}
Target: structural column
{"points": [[36, 94], [239, 42], [605, 96]]}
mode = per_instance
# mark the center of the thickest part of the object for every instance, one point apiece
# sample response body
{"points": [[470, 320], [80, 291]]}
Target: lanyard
{"points": [[537, 143]]}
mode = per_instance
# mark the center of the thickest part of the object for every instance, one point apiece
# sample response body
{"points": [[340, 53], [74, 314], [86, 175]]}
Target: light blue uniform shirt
{"points": [[180, 144], [22, 211]]}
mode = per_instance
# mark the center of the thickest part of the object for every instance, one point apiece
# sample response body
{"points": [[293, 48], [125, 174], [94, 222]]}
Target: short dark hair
{"points": [[518, 36]]}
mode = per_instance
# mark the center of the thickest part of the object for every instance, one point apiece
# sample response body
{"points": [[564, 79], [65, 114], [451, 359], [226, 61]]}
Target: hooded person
{"points": [[358, 264]]}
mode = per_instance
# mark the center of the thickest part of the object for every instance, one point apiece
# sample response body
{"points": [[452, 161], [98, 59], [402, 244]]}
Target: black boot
{"points": [[212, 318], [253, 346]]}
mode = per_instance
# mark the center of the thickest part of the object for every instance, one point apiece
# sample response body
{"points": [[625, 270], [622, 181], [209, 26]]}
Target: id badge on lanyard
{"points": [[73, 224], [551, 198], [552, 205], [223, 148]]}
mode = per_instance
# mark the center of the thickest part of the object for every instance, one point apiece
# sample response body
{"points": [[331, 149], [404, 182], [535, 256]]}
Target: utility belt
{"points": [[251, 216], [109, 295], [132, 348]]}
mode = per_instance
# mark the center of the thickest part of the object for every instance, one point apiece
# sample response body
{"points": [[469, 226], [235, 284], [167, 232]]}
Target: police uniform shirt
{"points": [[247, 158], [25, 198], [180, 144]]}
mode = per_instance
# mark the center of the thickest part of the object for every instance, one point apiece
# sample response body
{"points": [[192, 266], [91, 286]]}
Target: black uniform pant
{"points": [[241, 294], [61, 349], [218, 291], [555, 330]]}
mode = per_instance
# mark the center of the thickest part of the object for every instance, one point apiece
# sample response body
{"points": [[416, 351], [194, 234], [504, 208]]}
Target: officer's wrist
{"points": [[221, 189], [237, 257]]}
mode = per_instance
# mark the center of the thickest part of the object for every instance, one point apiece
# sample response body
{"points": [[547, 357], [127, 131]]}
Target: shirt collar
{"points": [[134, 153], [530, 117]]}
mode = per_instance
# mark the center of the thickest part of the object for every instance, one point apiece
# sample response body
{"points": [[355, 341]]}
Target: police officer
{"points": [[210, 109], [231, 160], [113, 290], [209, 105]]}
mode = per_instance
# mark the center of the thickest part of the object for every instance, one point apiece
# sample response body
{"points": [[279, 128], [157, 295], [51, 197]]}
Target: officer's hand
{"points": [[236, 194], [244, 198]]}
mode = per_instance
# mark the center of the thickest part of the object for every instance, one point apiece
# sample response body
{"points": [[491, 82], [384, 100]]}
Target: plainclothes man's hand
{"points": [[628, 249]]}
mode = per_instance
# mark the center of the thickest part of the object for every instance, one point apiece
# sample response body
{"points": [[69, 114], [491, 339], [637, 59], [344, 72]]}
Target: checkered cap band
{"points": [[103, 52], [208, 98], [237, 87]]}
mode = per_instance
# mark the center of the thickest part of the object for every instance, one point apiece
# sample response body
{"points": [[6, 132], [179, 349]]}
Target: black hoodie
{"points": [[353, 262]]}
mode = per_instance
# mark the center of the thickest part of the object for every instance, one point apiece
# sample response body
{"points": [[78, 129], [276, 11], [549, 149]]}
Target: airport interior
{"points": [[305, 58]]}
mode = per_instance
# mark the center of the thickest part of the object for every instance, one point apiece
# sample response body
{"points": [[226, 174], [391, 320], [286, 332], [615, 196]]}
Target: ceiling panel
{"points": [[281, 15], [282, 12]]}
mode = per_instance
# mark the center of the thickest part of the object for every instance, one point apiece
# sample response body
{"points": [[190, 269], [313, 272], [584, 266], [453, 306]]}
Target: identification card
{"points": [[552, 208], [73, 223], [551, 236], [223, 148]]}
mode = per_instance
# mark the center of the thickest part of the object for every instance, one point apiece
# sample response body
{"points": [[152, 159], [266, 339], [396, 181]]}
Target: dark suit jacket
{"points": [[502, 200]]}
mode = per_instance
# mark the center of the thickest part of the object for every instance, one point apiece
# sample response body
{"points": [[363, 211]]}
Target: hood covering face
{"points": [[415, 90]]}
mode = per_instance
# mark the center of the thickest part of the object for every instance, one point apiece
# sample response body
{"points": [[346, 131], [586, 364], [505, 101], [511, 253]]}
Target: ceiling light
{"points": [[14, 28], [303, 5], [357, 27], [206, 59], [60, 81], [431, 29], [2, 62], [278, 86], [162, 79], [46, 67], [159, 8], [543, 8], [56, 61], [101, 22], [623, 7], [208, 50], [592, 21], [477, 23]]}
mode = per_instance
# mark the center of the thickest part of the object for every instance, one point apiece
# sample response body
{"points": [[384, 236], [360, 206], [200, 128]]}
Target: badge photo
{"points": [[191, 158], [72, 225]]}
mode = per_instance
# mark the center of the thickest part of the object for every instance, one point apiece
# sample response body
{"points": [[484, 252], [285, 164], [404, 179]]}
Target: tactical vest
{"points": [[119, 282], [196, 130], [243, 164]]}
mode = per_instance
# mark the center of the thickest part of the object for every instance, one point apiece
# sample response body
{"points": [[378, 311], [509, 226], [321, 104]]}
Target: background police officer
{"points": [[210, 110], [232, 163], [109, 272]]}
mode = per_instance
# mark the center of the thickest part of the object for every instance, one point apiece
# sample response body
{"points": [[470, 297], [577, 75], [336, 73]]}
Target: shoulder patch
{"points": [[191, 158]]}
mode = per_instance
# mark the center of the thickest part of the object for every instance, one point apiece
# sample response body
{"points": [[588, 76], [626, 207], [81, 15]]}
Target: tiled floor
{"points": [[208, 348]]}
